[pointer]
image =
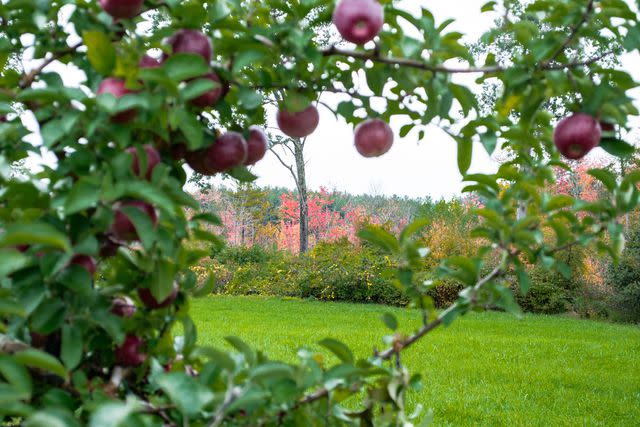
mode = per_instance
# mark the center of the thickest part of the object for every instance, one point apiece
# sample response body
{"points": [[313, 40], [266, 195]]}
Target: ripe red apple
{"points": [[152, 160], [122, 9], [358, 21], [229, 151], [178, 151], [108, 247], [576, 135], [256, 145], [209, 98], [150, 302], [38, 340], [149, 62], [123, 307], [373, 138], [300, 124], [122, 227], [191, 41], [86, 262], [117, 88], [196, 161], [129, 353]]}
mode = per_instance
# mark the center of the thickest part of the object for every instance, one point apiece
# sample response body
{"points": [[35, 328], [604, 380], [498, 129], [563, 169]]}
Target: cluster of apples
{"points": [[358, 21], [230, 150]]}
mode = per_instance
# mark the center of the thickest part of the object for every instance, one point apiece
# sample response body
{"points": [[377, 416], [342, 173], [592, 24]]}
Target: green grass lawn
{"points": [[489, 369]]}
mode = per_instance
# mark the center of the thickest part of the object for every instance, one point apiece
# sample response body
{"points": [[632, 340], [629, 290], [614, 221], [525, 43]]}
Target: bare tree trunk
{"points": [[302, 196]]}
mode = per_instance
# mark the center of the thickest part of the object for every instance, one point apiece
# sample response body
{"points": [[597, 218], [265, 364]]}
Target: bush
{"points": [[337, 271], [543, 297], [624, 278]]}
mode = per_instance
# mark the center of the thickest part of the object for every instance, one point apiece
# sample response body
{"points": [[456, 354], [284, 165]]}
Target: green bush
{"points": [[336, 271], [543, 297], [624, 278]]}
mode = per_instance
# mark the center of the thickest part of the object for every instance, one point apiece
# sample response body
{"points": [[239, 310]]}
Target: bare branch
{"points": [[28, 79], [572, 34]]}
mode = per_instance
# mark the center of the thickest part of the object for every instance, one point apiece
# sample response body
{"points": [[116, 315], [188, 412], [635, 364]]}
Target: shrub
{"points": [[624, 278]]}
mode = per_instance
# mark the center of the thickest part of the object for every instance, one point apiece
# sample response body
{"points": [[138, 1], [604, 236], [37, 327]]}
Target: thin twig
{"points": [[572, 35], [412, 63], [29, 78]]}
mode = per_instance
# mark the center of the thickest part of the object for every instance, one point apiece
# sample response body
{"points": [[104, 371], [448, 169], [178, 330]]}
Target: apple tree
{"points": [[112, 97]]}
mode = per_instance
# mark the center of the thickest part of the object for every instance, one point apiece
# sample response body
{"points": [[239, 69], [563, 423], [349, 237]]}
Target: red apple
{"points": [[229, 151], [178, 151], [149, 62], [86, 262], [358, 21], [129, 353], [576, 135], [123, 307], [191, 41], [38, 340], [256, 145], [209, 98], [109, 247], [122, 9], [122, 227], [196, 161], [300, 124], [117, 88], [152, 160], [373, 138], [150, 302]]}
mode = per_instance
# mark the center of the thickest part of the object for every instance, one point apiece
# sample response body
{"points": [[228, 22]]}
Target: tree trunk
{"points": [[302, 196]]}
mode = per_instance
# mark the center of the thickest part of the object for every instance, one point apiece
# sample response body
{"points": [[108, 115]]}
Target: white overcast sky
{"points": [[413, 168]]}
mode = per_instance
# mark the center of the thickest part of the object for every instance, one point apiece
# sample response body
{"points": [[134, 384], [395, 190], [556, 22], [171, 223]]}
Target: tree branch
{"points": [[28, 79], [572, 34], [412, 63]]}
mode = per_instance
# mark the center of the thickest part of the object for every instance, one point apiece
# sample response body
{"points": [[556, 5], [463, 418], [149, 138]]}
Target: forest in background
{"points": [[261, 229]]}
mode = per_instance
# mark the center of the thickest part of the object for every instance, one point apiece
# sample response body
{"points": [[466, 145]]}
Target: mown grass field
{"points": [[486, 369]]}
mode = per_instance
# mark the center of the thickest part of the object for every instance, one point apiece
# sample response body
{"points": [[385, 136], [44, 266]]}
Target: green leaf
{"points": [[114, 414], [465, 97], [52, 417], [100, 51], [83, 195], [161, 284], [605, 177], [143, 225], [198, 87], [242, 174], [489, 141], [71, 348], [390, 320], [16, 375], [184, 66], [249, 98], [12, 261], [617, 147], [37, 233], [339, 349], [379, 237], [33, 358], [414, 227], [189, 395], [243, 348], [48, 316], [465, 152]]}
